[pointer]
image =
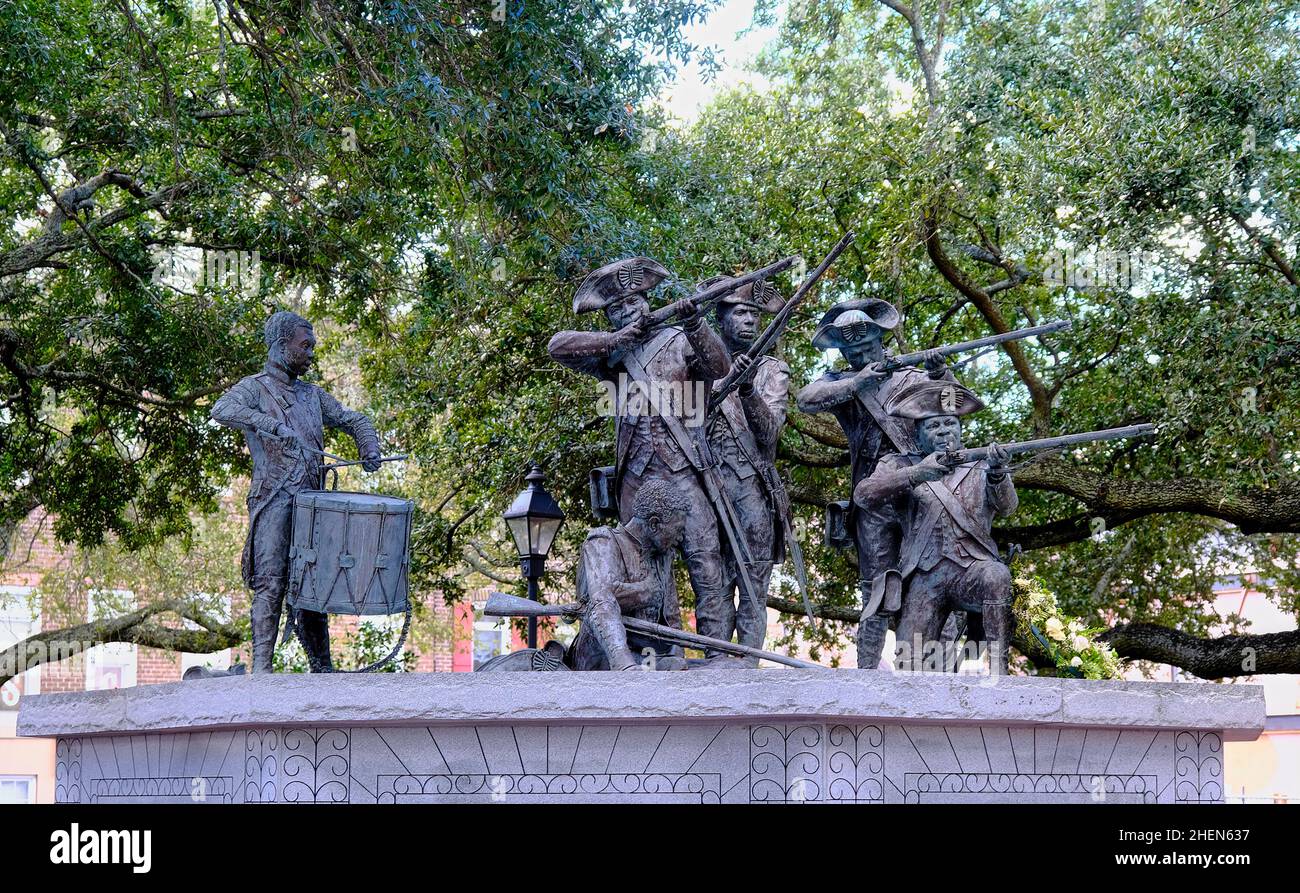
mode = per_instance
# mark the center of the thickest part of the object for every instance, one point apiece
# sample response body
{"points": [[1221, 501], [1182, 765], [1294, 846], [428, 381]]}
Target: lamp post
{"points": [[534, 518]]}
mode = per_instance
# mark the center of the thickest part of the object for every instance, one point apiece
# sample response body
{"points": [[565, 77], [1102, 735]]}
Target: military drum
{"points": [[350, 553]]}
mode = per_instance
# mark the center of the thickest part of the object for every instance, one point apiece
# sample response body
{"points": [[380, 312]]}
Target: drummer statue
{"points": [[282, 418]]}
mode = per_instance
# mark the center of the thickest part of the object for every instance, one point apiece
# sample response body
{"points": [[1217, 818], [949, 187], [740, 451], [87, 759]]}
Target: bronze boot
{"points": [[997, 629], [265, 615]]}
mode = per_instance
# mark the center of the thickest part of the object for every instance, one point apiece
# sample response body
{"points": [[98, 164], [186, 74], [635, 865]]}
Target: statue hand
{"points": [[690, 312], [370, 461], [998, 459], [931, 468], [632, 333], [934, 363], [293, 443], [632, 595], [871, 372]]}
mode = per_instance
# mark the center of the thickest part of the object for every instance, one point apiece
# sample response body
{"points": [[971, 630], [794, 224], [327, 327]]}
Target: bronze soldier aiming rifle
{"points": [[673, 346], [943, 497]]}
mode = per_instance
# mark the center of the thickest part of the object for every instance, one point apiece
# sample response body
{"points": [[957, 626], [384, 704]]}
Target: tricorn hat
{"points": [[761, 294], [858, 314], [930, 397], [617, 280]]}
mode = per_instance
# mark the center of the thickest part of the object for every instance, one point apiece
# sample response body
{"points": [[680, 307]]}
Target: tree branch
{"points": [[812, 458], [1120, 500], [1209, 658], [926, 58], [820, 428], [25, 374], [1038, 393], [38, 251], [134, 628], [806, 496], [1252, 510], [1270, 248]]}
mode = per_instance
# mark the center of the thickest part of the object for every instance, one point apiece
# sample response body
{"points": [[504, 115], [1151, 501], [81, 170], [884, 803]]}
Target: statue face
{"points": [[666, 533], [621, 311], [865, 350], [738, 325], [300, 350], [941, 432]]}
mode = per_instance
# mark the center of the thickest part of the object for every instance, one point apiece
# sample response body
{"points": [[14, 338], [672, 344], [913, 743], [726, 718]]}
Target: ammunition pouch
{"points": [[604, 492], [884, 594], [838, 534]]}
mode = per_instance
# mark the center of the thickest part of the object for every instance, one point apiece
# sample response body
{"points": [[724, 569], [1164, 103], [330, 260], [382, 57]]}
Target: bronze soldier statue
{"points": [[856, 397], [282, 418], [743, 437], [627, 601], [661, 438], [949, 560], [628, 571]]}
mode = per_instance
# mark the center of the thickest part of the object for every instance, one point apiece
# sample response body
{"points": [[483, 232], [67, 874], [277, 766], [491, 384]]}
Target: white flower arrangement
{"points": [[1069, 643]]}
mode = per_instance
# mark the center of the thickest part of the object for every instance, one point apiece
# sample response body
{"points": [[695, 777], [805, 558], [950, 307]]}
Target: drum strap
{"points": [[346, 561]]}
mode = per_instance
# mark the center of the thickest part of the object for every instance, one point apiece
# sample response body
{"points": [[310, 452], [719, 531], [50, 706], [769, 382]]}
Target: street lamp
{"points": [[534, 518]]}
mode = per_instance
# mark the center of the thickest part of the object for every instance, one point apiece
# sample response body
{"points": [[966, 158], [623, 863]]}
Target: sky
{"points": [[688, 96]]}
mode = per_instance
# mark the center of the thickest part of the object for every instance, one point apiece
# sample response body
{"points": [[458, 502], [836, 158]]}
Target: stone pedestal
{"points": [[744, 736]]}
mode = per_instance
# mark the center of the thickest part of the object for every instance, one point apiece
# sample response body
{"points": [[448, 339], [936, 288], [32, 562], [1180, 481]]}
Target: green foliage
{"points": [[370, 642], [1068, 128], [341, 144], [361, 647]]}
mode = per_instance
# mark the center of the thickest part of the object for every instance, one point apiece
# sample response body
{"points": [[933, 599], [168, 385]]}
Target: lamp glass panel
{"points": [[519, 530], [544, 531]]}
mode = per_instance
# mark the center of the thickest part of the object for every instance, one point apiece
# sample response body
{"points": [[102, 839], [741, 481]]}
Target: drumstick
{"points": [[343, 462], [339, 461]]}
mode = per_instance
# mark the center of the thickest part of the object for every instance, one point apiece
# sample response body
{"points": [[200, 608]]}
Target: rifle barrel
{"points": [[714, 292], [682, 637], [1050, 443], [911, 359], [501, 604]]}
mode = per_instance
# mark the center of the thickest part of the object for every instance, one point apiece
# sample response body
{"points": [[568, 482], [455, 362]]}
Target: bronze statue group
{"points": [[702, 484], [921, 528]]}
